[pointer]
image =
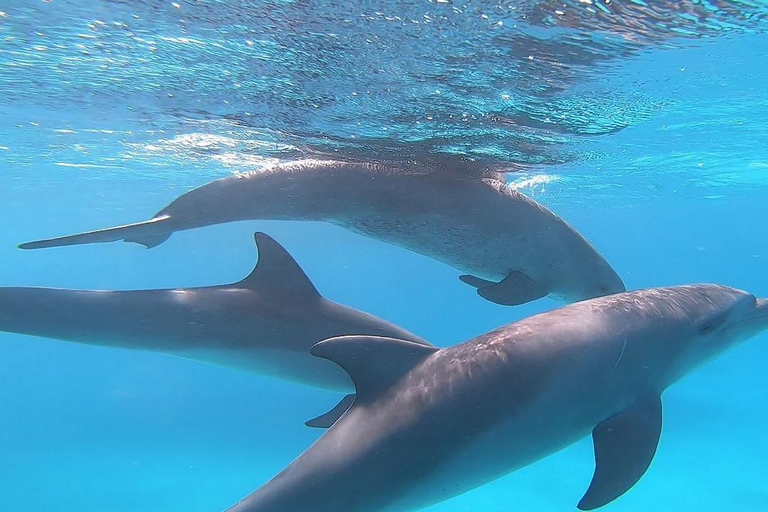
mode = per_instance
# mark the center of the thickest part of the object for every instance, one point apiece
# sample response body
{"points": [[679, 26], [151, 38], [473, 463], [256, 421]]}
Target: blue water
{"points": [[643, 126]]}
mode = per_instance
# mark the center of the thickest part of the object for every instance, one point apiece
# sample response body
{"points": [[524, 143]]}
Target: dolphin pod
{"points": [[512, 249], [429, 424], [423, 424], [264, 324]]}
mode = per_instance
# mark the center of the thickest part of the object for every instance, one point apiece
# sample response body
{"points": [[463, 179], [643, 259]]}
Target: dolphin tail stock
{"points": [[149, 233]]}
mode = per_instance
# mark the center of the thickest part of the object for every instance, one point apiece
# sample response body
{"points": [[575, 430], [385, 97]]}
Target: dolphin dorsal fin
{"points": [[374, 363], [277, 270]]}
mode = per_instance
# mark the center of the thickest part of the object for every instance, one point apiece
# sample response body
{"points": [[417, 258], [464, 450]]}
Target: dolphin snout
{"points": [[754, 319], [761, 311]]}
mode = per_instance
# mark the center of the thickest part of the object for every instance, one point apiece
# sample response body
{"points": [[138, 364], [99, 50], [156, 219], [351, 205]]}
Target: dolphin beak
{"points": [[758, 318], [761, 309]]}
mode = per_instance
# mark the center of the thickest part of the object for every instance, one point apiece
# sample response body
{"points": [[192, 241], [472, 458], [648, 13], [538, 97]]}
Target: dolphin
{"points": [[512, 249], [429, 424], [264, 324]]}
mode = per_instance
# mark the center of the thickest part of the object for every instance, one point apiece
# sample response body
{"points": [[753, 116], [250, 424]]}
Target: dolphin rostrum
{"points": [[512, 248], [429, 424], [264, 324]]}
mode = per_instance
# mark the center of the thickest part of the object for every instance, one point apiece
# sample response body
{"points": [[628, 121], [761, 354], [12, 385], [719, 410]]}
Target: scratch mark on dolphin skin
{"points": [[623, 348]]}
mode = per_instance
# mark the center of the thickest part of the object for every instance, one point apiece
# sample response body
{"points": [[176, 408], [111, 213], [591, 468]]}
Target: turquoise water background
{"points": [[651, 143]]}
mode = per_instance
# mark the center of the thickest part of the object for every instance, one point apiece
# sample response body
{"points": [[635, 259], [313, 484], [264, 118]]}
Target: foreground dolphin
{"points": [[429, 424], [513, 249], [264, 324]]}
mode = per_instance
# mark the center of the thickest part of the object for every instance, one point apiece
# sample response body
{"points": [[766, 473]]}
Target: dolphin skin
{"points": [[512, 249], [429, 424], [264, 324]]}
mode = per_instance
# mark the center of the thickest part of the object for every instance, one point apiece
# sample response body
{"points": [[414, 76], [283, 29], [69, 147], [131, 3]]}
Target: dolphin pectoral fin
{"points": [[475, 281], [515, 289], [277, 271], [147, 233], [329, 418], [374, 363], [624, 446]]}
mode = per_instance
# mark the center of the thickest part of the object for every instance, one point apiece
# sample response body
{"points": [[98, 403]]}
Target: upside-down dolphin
{"points": [[264, 324], [513, 249], [429, 424]]}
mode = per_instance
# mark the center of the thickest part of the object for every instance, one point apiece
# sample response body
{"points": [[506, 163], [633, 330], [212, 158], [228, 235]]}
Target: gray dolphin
{"points": [[429, 423], [513, 249], [264, 324]]}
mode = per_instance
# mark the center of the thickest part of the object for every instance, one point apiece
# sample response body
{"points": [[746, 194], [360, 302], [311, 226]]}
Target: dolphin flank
{"points": [[264, 324], [429, 424], [512, 249]]}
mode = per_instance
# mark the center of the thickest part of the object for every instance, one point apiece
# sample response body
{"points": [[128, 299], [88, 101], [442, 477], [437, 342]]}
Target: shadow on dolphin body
{"points": [[512, 249], [264, 324], [429, 424]]}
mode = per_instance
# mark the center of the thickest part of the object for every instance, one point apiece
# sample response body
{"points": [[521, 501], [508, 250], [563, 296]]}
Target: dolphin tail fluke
{"points": [[149, 241], [149, 233]]}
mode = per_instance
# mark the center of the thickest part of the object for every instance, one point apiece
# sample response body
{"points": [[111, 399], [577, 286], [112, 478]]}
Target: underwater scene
{"points": [[439, 255]]}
